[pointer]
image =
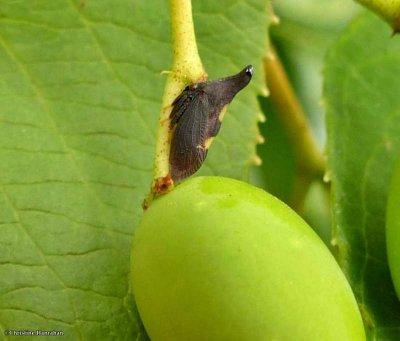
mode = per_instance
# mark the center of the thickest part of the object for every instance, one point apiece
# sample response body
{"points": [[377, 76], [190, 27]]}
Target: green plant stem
{"points": [[186, 68], [302, 184], [388, 10], [310, 162]]}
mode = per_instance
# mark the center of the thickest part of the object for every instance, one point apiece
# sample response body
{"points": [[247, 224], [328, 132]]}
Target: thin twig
{"points": [[186, 68]]}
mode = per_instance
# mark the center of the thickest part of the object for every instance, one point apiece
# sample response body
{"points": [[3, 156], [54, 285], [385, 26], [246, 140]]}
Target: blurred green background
{"points": [[301, 40]]}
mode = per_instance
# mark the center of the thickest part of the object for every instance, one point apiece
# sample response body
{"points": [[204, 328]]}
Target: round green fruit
{"points": [[218, 259], [393, 228]]}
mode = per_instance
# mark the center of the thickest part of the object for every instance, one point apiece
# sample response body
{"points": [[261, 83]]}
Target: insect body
{"points": [[195, 118]]}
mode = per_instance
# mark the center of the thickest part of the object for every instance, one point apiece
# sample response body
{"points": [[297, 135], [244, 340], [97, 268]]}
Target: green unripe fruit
{"points": [[217, 259], [393, 228]]}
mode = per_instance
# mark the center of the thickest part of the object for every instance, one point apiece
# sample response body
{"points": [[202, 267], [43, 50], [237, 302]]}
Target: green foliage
{"points": [[363, 109], [80, 93]]}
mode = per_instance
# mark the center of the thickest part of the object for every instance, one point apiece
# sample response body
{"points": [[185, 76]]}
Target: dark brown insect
{"points": [[195, 118]]}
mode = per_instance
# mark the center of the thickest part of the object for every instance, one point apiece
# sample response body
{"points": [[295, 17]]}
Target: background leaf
{"points": [[80, 93], [363, 107]]}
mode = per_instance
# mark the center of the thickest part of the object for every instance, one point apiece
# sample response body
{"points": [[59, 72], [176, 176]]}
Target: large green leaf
{"points": [[363, 106], [80, 93]]}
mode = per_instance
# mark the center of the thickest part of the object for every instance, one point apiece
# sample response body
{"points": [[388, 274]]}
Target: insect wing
{"points": [[195, 119], [187, 148], [181, 105]]}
